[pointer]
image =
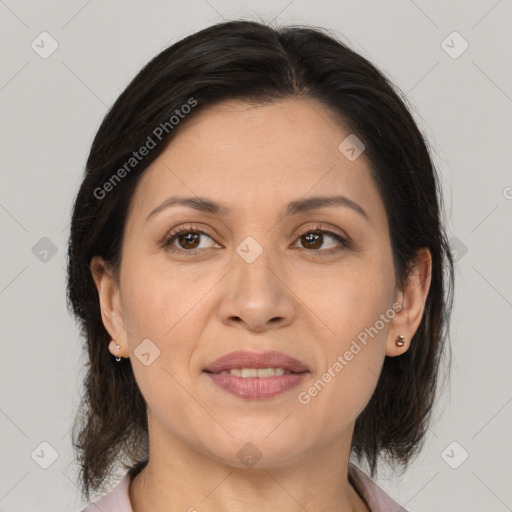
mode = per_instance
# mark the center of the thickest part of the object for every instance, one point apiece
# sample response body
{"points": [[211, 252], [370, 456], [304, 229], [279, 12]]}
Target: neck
{"points": [[182, 479]]}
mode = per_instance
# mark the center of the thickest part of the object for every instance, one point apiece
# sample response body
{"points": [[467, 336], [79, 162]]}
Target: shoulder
{"points": [[117, 500], [375, 497]]}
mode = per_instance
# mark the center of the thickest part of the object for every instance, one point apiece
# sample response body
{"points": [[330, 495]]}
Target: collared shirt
{"points": [[377, 500]]}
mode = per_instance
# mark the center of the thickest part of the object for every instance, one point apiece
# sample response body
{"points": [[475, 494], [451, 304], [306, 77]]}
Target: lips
{"points": [[250, 375], [245, 359]]}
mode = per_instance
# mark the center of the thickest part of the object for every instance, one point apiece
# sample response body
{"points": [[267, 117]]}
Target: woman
{"points": [[261, 275]]}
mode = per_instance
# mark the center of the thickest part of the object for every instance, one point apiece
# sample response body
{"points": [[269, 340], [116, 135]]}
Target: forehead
{"points": [[249, 157]]}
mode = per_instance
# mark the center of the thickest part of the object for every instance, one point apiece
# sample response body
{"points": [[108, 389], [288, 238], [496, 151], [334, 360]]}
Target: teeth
{"points": [[254, 372]]}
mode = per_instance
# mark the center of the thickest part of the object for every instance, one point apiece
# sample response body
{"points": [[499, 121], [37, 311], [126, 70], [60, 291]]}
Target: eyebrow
{"points": [[203, 204]]}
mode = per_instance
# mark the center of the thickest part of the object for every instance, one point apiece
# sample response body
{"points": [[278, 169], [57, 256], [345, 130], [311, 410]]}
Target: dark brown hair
{"points": [[256, 63]]}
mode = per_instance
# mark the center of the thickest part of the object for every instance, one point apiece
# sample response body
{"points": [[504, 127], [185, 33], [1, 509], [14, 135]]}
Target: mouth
{"points": [[252, 375], [261, 373]]}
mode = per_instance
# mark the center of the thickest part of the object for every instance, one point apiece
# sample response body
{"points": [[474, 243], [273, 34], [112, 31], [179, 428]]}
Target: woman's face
{"points": [[261, 278]]}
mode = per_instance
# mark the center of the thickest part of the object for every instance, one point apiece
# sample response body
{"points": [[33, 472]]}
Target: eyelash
{"points": [[173, 235]]}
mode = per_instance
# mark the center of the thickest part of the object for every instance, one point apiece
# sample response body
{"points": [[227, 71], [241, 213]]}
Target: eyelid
{"points": [[325, 229]]}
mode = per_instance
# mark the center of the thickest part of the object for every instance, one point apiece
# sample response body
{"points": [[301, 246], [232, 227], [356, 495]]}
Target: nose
{"points": [[258, 296]]}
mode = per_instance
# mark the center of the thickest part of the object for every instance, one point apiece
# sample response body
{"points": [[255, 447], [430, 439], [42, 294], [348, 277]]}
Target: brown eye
{"points": [[185, 240], [314, 239], [189, 240]]}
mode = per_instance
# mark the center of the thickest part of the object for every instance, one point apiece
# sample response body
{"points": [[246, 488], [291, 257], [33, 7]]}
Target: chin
{"points": [[257, 446]]}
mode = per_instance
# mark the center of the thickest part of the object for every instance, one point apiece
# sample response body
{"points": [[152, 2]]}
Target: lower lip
{"points": [[257, 387]]}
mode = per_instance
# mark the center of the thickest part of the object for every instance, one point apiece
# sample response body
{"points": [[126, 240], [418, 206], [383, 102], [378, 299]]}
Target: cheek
{"points": [[158, 298], [154, 310], [350, 300], [344, 384], [155, 337], [163, 306], [356, 306]]}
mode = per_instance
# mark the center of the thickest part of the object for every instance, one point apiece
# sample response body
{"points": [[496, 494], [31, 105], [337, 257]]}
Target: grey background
{"points": [[51, 109]]}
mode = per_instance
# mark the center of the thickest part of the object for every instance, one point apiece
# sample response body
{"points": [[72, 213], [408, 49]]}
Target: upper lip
{"points": [[246, 359]]}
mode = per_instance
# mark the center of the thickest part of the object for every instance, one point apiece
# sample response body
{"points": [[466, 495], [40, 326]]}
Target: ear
{"points": [[412, 299], [110, 304]]}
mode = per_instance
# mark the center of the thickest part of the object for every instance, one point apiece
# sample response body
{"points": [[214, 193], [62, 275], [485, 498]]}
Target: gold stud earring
{"points": [[400, 341]]}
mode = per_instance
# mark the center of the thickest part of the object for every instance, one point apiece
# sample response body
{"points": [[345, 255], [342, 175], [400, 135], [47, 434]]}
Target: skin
{"points": [[310, 305]]}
